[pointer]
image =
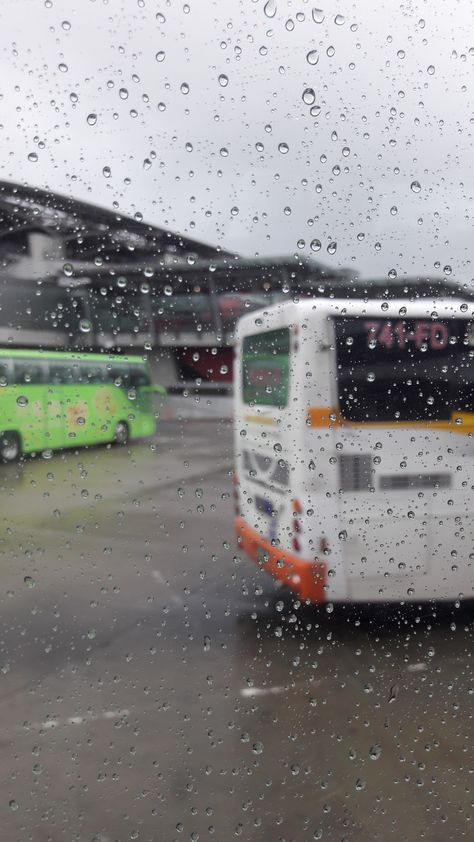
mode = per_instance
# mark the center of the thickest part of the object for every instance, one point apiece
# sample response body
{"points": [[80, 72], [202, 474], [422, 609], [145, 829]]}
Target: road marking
{"points": [[251, 692], [158, 577], [419, 667], [58, 721]]}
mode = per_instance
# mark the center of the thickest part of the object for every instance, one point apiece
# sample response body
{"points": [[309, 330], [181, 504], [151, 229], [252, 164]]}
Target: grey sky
{"points": [[397, 93]]}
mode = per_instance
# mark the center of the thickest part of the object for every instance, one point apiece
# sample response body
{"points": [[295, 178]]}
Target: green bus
{"points": [[51, 400]]}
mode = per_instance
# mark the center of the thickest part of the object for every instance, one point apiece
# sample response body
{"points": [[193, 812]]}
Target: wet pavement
{"points": [[155, 686]]}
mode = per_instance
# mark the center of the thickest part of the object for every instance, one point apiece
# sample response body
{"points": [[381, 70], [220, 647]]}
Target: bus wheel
{"points": [[121, 433], [9, 447]]}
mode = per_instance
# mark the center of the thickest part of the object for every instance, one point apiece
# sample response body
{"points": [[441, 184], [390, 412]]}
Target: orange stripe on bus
{"points": [[307, 578]]}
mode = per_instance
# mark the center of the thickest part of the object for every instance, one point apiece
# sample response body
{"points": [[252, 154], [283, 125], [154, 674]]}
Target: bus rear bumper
{"points": [[305, 578]]}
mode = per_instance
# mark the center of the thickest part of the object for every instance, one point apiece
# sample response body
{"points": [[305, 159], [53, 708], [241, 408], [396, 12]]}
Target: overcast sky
{"points": [[123, 103]]}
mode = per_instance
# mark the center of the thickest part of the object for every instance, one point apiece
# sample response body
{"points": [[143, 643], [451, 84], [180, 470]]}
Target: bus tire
{"points": [[10, 446], [121, 433]]}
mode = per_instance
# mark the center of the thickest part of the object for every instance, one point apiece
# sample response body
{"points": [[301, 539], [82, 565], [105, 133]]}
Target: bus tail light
{"points": [[296, 525], [323, 545], [235, 483]]}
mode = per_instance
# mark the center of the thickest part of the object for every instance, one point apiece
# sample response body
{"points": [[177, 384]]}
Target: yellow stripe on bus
{"points": [[324, 417], [260, 419]]}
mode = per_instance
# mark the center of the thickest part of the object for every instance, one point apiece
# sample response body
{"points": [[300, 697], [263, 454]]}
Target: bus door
{"points": [[55, 410], [28, 404]]}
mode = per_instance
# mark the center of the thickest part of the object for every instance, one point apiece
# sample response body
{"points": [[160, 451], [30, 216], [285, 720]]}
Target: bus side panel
{"points": [[55, 417], [23, 410]]}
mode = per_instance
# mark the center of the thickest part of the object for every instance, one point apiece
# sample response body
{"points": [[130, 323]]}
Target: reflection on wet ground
{"points": [[155, 686]]}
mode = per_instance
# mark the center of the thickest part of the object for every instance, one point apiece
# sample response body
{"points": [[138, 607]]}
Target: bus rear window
{"points": [[404, 369], [265, 367]]}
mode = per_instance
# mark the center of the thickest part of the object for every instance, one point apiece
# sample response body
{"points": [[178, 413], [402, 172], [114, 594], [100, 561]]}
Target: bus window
{"points": [[28, 371], [93, 373], [265, 368], [118, 375], [5, 373], [403, 370], [139, 377], [62, 372]]}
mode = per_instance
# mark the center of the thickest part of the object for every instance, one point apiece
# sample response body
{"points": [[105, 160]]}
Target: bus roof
{"points": [[287, 312], [77, 356]]}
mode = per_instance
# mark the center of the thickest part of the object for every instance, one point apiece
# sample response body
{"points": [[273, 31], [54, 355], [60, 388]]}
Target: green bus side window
{"points": [[92, 374], [27, 371], [139, 377]]}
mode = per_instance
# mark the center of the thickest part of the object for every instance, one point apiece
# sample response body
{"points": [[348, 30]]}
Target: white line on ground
{"points": [[419, 667], [58, 721], [252, 692], [158, 577]]}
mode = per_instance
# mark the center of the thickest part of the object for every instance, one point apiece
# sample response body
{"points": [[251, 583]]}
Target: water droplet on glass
{"points": [[106, 172], [415, 186], [317, 15], [431, 69], [33, 157], [123, 93], [270, 8], [393, 694], [184, 88], [29, 582], [146, 164], [315, 245], [339, 20], [375, 752], [92, 119], [283, 148], [448, 271], [13, 804], [160, 56], [66, 25], [308, 96], [332, 248], [85, 325], [63, 67], [223, 80], [312, 57], [22, 400]]}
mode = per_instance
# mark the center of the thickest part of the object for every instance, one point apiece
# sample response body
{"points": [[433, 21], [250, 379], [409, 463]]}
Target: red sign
{"points": [[389, 334], [264, 376]]}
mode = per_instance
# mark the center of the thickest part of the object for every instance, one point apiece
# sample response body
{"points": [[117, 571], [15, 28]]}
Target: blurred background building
{"points": [[73, 275]]}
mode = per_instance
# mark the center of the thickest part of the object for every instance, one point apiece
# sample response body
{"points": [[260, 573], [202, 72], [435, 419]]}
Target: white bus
{"points": [[354, 443]]}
